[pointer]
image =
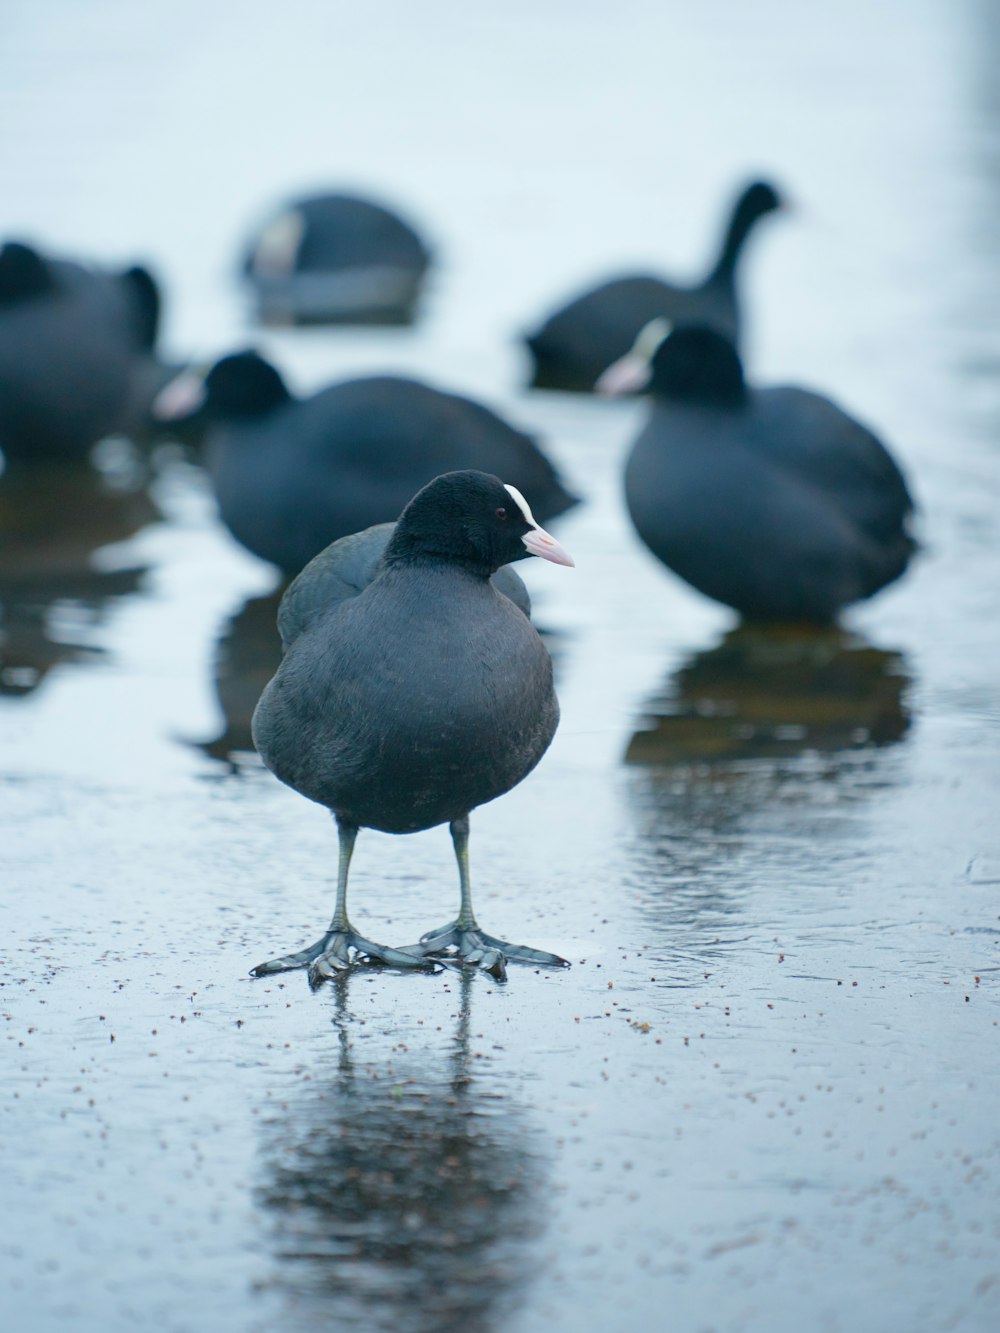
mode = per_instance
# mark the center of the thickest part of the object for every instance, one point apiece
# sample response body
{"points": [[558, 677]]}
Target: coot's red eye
{"points": [[501, 513]]}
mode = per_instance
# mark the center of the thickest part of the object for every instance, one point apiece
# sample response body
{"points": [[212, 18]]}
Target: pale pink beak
{"points": [[540, 542], [629, 374], [184, 394]]}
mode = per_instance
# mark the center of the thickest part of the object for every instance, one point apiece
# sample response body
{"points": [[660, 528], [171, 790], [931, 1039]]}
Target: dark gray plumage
{"points": [[292, 475], [76, 349], [248, 650], [416, 699], [773, 501], [582, 338]]}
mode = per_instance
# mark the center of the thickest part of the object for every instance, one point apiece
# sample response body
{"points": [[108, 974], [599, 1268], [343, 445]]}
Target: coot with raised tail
{"points": [[581, 339], [773, 501], [292, 474], [76, 353], [410, 703], [336, 259]]}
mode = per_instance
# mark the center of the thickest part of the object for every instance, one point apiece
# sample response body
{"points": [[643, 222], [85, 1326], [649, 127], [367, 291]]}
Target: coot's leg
{"points": [[463, 939], [332, 953]]}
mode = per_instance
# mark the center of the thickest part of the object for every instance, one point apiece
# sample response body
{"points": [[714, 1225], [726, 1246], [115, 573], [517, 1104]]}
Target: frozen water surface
{"points": [[766, 1096]]}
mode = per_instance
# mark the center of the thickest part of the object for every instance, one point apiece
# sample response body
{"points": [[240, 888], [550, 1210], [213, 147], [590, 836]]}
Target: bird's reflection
{"points": [[765, 693], [52, 592], [246, 657], [753, 754], [402, 1192]]}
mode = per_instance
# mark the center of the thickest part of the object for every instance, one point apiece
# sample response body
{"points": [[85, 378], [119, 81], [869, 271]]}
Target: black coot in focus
{"points": [[76, 354], [773, 501], [408, 704], [581, 339], [292, 475], [335, 258]]}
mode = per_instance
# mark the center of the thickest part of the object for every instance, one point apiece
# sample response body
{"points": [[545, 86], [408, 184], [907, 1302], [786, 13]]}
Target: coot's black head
{"points": [[470, 519], [694, 364], [23, 273], [754, 202], [240, 387], [691, 363], [758, 198], [243, 385]]}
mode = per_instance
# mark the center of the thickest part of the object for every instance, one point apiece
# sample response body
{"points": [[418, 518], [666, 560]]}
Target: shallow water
{"points": [[766, 1095]]}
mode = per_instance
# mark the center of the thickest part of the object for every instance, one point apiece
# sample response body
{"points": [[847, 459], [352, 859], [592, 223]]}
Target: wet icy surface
{"points": [[766, 1095]]}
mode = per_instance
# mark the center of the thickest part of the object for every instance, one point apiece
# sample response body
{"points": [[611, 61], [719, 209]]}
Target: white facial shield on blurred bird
{"points": [[630, 373], [185, 394]]}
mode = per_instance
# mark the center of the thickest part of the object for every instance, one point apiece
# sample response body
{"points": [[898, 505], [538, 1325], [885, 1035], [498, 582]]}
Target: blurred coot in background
{"points": [[582, 338], [773, 501], [293, 474], [77, 354], [336, 259]]}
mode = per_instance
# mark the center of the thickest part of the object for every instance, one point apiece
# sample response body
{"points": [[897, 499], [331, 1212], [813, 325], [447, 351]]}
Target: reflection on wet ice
{"points": [[52, 521], [401, 1191], [749, 759], [246, 657], [768, 693]]}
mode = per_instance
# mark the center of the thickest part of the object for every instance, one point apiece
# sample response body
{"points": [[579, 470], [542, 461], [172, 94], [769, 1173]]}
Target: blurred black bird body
{"points": [[76, 354], [418, 698], [336, 258], [582, 338], [773, 501], [292, 475]]}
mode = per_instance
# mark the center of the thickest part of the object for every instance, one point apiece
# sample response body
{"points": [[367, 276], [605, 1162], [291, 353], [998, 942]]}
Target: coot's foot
{"points": [[333, 954], [469, 944]]}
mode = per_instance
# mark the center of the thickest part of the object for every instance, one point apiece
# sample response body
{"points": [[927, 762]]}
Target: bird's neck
{"points": [[404, 552], [721, 395], [740, 226], [247, 413]]}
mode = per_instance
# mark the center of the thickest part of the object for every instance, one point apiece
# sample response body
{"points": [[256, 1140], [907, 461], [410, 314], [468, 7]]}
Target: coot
{"points": [[773, 501], [76, 353], [336, 258], [581, 339], [415, 700], [292, 475]]}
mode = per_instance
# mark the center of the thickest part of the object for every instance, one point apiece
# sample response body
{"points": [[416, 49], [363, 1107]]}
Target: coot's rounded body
{"points": [[772, 501], [248, 653], [457, 713], [292, 475], [75, 353], [337, 258], [581, 339]]}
